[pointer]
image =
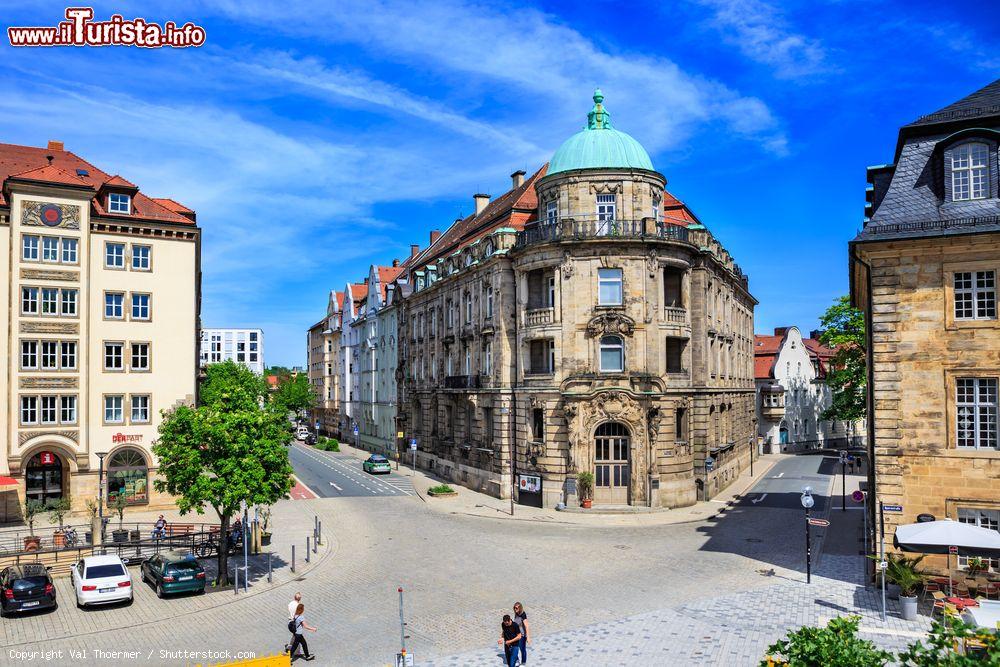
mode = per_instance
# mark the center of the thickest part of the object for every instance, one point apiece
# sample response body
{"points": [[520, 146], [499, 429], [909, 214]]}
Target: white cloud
{"points": [[762, 34]]}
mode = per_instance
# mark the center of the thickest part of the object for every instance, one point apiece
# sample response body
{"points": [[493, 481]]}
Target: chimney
{"points": [[481, 202], [435, 235], [780, 331], [517, 179], [56, 145], [395, 262], [414, 250]]}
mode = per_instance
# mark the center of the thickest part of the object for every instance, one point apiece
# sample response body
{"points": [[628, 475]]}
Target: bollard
{"points": [[236, 581], [319, 535], [315, 524], [307, 548], [315, 542], [269, 567], [293, 558]]}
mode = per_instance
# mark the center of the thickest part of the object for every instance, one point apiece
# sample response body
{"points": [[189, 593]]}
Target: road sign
{"points": [[858, 496], [883, 565], [413, 443], [404, 660], [819, 522], [892, 508], [355, 429], [843, 456], [709, 463], [953, 550]]}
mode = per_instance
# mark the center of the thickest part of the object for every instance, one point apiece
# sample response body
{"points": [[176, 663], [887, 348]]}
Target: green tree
{"points": [[847, 376], [228, 450], [836, 645], [294, 394], [942, 640]]}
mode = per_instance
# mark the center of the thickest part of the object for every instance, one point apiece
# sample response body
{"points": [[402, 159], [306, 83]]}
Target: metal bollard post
{"points": [[315, 542], [315, 524], [293, 558], [319, 535], [236, 581], [307, 548], [269, 567]]}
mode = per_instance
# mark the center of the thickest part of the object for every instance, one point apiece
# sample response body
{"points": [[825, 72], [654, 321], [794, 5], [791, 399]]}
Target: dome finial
{"points": [[598, 118]]}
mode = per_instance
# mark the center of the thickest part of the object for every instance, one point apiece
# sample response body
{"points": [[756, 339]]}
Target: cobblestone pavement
{"points": [[711, 592]]}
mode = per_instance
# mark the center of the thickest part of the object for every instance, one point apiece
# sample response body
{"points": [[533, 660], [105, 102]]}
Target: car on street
{"points": [[173, 572], [101, 580], [26, 588], [302, 432], [376, 463]]}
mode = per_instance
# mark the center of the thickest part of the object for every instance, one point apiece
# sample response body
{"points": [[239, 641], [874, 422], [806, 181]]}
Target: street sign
{"points": [[843, 456], [399, 434], [404, 660], [884, 565], [413, 443], [709, 463], [819, 522], [858, 496], [892, 508], [953, 550], [317, 424], [355, 429]]}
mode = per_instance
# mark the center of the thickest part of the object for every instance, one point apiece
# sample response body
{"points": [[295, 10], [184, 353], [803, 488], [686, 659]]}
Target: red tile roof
{"points": [[117, 181], [676, 212], [763, 366], [31, 163], [359, 291], [766, 347], [340, 300]]}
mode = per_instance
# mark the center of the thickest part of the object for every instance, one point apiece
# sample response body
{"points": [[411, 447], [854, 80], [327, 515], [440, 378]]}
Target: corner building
{"points": [[100, 326], [584, 321]]}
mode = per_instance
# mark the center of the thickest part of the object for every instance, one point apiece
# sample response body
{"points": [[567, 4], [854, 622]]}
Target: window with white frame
{"points": [[605, 214], [976, 413], [550, 293], [981, 518], [29, 248], [657, 207], [114, 255], [50, 355], [552, 212], [67, 409], [140, 306], [114, 308], [29, 409], [468, 308], [70, 251], [68, 299], [612, 354], [113, 409], [140, 409], [29, 300], [609, 287], [468, 360], [140, 257], [47, 413], [975, 295], [488, 358], [50, 248], [139, 357], [29, 354], [67, 357], [113, 359], [50, 301], [970, 172], [119, 203], [488, 297]]}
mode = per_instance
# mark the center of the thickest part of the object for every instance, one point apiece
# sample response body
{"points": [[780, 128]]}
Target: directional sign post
{"points": [[892, 508], [822, 523], [413, 448]]}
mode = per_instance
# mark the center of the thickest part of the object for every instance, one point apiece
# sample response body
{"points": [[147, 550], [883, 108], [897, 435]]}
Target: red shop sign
{"points": [[47, 458]]}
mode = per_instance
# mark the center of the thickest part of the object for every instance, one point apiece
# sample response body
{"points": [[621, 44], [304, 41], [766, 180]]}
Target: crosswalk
{"points": [[344, 476]]}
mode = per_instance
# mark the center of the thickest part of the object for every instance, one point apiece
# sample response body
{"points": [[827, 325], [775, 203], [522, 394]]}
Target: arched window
{"points": [[970, 172], [128, 476], [612, 354]]}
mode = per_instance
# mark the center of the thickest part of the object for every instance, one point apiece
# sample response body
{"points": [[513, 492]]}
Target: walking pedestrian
{"points": [[292, 606], [521, 619], [299, 624], [510, 635]]}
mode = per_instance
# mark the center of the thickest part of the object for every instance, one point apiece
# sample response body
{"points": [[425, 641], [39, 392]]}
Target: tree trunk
{"points": [[222, 578]]}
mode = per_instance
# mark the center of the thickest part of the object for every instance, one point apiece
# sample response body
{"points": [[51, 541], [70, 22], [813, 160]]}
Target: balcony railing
{"points": [[589, 227], [462, 382], [539, 316], [675, 315]]}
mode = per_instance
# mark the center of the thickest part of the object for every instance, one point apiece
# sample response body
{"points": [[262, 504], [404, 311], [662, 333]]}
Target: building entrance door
{"points": [[783, 436], [43, 477], [611, 463]]}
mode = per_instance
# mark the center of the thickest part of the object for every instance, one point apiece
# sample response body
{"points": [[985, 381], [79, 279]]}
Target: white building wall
{"points": [[244, 346]]}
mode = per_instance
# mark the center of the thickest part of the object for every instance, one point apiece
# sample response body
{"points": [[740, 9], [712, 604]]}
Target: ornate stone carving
{"points": [[42, 214], [653, 421], [570, 412], [567, 266], [69, 382], [50, 327], [50, 274], [610, 322], [25, 436], [616, 405]]}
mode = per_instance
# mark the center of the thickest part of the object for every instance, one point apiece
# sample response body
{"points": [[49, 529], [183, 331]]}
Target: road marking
{"points": [[759, 499], [335, 486], [779, 475]]}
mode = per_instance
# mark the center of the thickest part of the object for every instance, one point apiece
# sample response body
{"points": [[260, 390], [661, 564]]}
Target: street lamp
{"points": [[100, 484], [808, 501]]}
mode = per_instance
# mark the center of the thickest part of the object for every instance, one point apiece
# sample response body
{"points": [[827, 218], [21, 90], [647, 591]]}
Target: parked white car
{"points": [[101, 580], [302, 433]]}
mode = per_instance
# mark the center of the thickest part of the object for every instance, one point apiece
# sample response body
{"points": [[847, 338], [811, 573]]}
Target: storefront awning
{"points": [[7, 481]]}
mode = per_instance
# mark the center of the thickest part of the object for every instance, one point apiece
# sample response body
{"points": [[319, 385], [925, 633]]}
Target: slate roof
{"points": [[983, 103]]}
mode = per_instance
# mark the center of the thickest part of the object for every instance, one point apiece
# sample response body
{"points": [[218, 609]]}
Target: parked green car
{"points": [[173, 572], [376, 463]]}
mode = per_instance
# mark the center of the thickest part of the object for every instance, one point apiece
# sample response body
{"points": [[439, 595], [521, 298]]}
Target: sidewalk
{"points": [[474, 503]]}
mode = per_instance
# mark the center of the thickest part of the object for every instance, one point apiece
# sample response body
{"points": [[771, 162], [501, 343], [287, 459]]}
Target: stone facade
{"points": [[924, 270]]}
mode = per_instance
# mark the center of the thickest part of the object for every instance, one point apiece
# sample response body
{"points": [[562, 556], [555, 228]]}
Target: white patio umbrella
{"points": [[947, 536]]}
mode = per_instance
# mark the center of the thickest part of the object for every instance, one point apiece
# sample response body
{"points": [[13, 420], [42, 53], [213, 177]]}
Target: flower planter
{"points": [[58, 539], [586, 504], [119, 536], [909, 607], [265, 539], [439, 494], [32, 543]]}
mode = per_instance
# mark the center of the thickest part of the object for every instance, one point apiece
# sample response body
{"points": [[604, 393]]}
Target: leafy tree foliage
{"points": [[836, 645], [944, 637], [847, 376], [229, 449], [294, 394]]}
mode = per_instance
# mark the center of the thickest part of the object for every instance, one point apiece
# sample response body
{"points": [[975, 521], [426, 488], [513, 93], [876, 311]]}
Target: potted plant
{"points": [[903, 572], [32, 508], [265, 525], [58, 509], [92, 514], [585, 488], [975, 566], [118, 505]]}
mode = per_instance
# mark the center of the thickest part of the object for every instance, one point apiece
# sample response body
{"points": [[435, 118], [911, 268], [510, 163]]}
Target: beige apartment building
{"points": [[583, 321], [323, 367], [924, 270], [100, 327]]}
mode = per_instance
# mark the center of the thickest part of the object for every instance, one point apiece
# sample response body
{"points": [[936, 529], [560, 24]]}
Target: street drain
{"points": [[622, 546]]}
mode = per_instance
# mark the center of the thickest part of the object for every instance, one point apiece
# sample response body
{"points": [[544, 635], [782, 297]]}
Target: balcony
{"points": [[772, 412], [539, 316], [675, 315], [579, 228], [462, 382]]}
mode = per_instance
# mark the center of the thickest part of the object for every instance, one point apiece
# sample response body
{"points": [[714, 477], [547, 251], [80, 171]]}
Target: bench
{"points": [[180, 529]]}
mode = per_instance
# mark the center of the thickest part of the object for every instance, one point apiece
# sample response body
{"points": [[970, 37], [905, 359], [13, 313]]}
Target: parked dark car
{"points": [[26, 588], [173, 572], [311, 438]]}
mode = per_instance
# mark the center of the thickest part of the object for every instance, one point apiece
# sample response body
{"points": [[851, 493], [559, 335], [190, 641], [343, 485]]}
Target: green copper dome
{"points": [[599, 146]]}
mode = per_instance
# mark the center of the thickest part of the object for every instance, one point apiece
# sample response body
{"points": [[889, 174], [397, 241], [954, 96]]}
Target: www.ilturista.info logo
{"points": [[81, 30]]}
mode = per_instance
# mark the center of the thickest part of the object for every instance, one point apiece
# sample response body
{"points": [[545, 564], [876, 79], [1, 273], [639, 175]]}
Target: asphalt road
{"points": [[782, 485], [336, 475]]}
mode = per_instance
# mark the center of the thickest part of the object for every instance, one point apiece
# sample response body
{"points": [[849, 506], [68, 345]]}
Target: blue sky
{"points": [[314, 139]]}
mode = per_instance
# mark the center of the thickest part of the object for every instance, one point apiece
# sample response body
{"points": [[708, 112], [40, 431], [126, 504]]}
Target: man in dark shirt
{"points": [[510, 636]]}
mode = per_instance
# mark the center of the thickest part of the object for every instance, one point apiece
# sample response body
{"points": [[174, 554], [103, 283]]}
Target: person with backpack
{"points": [[296, 626], [292, 607], [521, 620]]}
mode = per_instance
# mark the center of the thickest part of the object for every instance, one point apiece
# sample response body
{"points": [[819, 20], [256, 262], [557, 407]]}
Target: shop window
{"points": [[128, 476]]}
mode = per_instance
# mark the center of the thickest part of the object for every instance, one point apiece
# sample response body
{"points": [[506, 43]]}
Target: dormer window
{"points": [[119, 203], [970, 172]]}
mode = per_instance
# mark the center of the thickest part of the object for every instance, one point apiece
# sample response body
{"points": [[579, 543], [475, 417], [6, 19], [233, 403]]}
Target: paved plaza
{"points": [[705, 591]]}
